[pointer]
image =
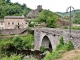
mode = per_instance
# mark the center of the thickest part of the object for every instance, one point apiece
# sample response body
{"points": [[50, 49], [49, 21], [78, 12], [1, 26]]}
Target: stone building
{"points": [[34, 13], [15, 22], [2, 24]]}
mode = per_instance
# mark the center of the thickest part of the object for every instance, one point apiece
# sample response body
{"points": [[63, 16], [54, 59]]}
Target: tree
{"points": [[8, 8], [77, 19], [18, 43], [27, 42], [48, 17]]}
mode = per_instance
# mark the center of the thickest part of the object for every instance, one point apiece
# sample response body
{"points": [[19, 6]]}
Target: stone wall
{"points": [[54, 35], [11, 31]]}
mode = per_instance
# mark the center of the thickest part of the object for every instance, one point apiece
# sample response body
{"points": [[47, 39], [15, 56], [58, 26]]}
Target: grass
{"points": [[73, 27]]}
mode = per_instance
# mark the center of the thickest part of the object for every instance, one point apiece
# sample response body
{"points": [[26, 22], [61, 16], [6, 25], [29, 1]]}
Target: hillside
{"points": [[12, 9], [77, 14], [63, 14], [71, 55]]}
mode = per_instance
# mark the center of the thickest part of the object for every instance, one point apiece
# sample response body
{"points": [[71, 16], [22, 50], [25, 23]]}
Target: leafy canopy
{"points": [[12, 9], [48, 17]]}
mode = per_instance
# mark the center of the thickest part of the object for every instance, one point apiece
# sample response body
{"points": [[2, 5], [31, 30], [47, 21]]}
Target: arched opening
{"points": [[46, 43]]}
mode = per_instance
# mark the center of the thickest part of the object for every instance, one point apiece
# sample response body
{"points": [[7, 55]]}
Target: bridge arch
{"points": [[51, 40], [42, 36], [46, 42]]}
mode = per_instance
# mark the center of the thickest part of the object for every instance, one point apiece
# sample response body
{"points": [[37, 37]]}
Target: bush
{"points": [[64, 46], [18, 42], [12, 57], [60, 45], [61, 40], [48, 56], [70, 45], [42, 49], [27, 41], [29, 30], [76, 27], [66, 27]]}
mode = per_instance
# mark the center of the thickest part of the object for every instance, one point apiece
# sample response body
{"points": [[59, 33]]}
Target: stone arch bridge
{"points": [[49, 37]]}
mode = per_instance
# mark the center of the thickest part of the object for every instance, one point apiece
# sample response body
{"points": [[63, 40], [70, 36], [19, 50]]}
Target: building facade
{"points": [[15, 22], [2, 24]]}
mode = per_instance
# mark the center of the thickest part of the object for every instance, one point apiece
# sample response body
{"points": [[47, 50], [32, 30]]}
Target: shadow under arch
{"points": [[46, 43]]}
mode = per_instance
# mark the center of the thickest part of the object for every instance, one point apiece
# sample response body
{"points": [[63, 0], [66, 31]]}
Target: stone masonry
{"points": [[54, 35]]}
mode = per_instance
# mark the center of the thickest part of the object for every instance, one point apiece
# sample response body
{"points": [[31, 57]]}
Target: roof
{"points": [[14, 17]]}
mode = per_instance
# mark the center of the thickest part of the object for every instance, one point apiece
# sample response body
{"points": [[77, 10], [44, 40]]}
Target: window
{"points": [[1, 23], [26, 23], [12, 23], [8, 23], [18, 23]]}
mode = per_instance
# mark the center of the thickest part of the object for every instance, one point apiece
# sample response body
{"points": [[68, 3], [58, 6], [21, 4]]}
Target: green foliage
{"points": [[7, 47], [66, 27], [32, 23], [12, 57], [5, 44], [29, 30], [8, 8], [53, 56], [17, 42], [42, 49], [61, 41], [27, 42], [64, 46], [74, 20], [48, 56], [48, 17], [73, 27], [76, 28], [77, 19], [70, 45], [23, 42]]}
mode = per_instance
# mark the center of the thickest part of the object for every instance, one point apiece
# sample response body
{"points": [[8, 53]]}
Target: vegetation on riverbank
{"points": [[15, 47]]}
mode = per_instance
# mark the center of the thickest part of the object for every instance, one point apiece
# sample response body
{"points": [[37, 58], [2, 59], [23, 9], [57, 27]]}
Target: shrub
{"points": [[18, 42], [76, 27], [12, 57], [61, 40], [42, 49], [29, 30], [64, 46], [27, 41], [66, 27], [70, 45], [48, 56], [60, 45]]}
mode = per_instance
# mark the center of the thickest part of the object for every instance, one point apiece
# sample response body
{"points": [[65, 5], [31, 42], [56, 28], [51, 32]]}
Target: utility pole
{"points": [[70, 18]]}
